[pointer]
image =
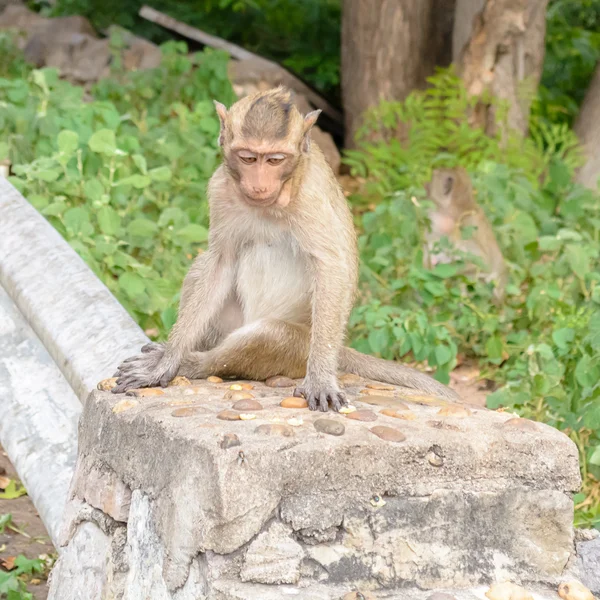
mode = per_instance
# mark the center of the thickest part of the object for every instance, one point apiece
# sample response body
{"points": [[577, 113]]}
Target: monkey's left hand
{"points": [[319, 395], [148, 369]]}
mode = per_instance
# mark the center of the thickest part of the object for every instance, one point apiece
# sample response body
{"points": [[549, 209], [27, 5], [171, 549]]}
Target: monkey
{"points": [[455, 207], [272, 293]]}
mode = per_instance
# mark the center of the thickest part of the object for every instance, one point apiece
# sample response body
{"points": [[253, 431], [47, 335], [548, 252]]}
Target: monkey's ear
{"points": [[448, 184], [222, 112], [309, 120]]}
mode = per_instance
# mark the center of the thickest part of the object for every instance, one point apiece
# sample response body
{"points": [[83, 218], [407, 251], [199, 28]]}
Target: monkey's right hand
{"points": [[151, 368], [319, 395]]}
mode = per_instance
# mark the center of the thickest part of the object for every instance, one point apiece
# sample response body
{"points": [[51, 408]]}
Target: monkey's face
{"points": [[261, 174]]}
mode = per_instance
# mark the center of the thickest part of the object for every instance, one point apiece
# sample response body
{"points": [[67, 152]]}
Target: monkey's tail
{"points": [[378, 369]]}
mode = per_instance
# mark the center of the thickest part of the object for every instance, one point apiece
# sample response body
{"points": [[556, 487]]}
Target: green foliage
{"points": [[302, 34], [13, 583], [543, 345], [572, 51], [123, 177]]}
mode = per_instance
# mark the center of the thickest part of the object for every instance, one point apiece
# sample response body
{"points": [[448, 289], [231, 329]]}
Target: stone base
{"points": [[170, 501]]}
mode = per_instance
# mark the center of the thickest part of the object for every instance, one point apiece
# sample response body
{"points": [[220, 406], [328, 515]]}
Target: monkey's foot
{"points": [[319, 396], [145, 370]]}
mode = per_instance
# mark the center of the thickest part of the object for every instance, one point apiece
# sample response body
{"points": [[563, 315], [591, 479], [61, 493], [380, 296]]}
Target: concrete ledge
{"points": [[38, 424], [428, 496], [81, 324]]}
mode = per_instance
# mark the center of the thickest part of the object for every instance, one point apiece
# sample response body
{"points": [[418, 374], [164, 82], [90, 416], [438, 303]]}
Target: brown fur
{"points": [[455, 207], [273, 292]]}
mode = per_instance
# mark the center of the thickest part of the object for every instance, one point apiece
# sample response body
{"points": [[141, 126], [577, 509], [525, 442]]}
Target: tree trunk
{"points": [[503, 55], [587, 127], [389, 48]]}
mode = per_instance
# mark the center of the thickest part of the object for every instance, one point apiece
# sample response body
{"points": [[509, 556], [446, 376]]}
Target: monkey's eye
{"points": [[248, 159], [275, 160]]}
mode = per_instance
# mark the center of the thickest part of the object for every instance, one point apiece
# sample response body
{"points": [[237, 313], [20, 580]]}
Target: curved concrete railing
{"points": [[61, 331]]}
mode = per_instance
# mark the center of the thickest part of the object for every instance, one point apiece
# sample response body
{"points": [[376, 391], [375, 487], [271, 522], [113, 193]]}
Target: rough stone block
{"points": [[424, 495]]}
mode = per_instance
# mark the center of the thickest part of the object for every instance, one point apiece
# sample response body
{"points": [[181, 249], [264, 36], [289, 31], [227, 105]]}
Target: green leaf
{"points": [[133, 285], [443, 355], [68, 142], [28, 566], [578, 260], [93, 190], [140, 163], [142, 228], [109, 220], [379, 340], [595, 456], [103, 142], [77, 219], [137, 181], [494, 348], [192, 233], [12, 491], [160, 174], [563, 337]]}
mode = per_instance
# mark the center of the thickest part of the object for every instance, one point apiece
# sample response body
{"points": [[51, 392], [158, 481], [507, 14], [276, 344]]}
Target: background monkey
{"points": [[273, 292], [455, 207]]}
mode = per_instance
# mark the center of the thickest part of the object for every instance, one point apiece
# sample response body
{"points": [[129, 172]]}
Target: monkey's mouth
{"points": [[261, 201]]}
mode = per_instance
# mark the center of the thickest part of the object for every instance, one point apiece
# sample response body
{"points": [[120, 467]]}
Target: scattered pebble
{"points": [[237, 395], [295, 422], [346, 410], [238, 387], [384, 401], [358, 596], [192, 390], [523, 424], [350, 379], [329, 426], [378, 501], [107, 384], [388, 434], [280, 382], [228, 415], [434, 457], [508, 591], [362, 415], [377, 392], [229, 440], [247, 416], [214, 379], [573, 590], [454, 410], [426, 399], [146, 392], [294, 402], [407, 415], [179, 381], [380, 387], [275, 430], [187, 412], [247, 404], [124, 405]]}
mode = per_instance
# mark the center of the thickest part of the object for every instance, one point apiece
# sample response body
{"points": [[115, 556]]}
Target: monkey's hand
{"points": [[150, 368], [320, 394]]}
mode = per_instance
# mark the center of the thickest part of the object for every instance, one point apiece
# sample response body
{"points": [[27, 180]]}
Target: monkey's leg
{"points": [[259, 350]]}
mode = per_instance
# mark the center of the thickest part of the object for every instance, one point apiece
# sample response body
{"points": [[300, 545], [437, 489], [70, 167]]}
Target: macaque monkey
{"points": [[455, 207], [273, 292]]}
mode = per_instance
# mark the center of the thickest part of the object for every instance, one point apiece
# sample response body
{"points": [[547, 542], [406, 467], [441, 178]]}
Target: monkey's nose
{"points": [[259, 190]]}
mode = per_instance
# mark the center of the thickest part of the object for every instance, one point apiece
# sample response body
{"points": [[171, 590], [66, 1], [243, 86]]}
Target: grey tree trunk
{"points": [[389, 48], [499, 47], [587, 127]]}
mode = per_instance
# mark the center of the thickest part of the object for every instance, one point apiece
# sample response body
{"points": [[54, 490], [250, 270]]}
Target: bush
{"points": [[543, 346]]}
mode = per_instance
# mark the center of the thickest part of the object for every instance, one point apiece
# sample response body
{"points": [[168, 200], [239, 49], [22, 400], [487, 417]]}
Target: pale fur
{"points": [[273, 292]]}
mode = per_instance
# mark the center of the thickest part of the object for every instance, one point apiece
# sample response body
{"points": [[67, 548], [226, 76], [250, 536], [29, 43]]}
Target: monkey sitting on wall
{"points": [[455, 207], [273, 292]]}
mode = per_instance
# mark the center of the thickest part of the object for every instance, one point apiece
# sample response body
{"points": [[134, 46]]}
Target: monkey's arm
{"points": [[331, 304], [205, 289]]}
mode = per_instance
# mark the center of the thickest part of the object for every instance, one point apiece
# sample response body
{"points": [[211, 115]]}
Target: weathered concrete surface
{"points": [[588, 555], [469, 496], [38, 416], [85, 330]]}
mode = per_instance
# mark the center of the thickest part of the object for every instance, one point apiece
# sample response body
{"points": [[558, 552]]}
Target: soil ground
{"points": [[26, 518]]}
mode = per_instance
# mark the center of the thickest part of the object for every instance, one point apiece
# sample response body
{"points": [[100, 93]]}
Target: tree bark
{"points": [[503, 55], [389, 48], [587, 127]]}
